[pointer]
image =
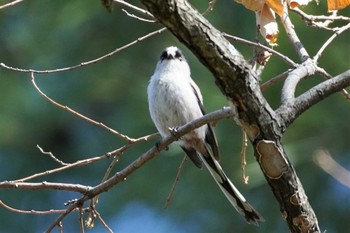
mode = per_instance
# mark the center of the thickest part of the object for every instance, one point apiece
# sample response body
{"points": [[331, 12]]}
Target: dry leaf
{"points": [[266, 21], [337, 4], [296, 3], [276, 6], [253, 5]]}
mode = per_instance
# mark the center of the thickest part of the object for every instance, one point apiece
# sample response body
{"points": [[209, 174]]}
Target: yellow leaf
{"points": [[296, 3], [266, 21], [276, 6], [337, 4], [253, 5]]}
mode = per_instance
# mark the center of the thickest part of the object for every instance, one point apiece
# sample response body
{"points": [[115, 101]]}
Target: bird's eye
{"points": [[178, 55]]}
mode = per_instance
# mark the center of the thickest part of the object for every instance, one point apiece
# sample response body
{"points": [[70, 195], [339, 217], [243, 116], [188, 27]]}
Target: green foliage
{"points": [[54, 34]]}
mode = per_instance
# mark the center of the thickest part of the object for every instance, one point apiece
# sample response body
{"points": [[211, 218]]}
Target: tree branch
{"points": [[44, 186], [307, 69], [234, 76], [94, 61], [303, 102], [147, 156]]}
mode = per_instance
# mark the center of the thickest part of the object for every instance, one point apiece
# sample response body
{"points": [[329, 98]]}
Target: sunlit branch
{"points": [[44, 186], [10, 4], [135, 8], [293, 37], [313, 20], [329, 41], [288, 90], [284, 58]]}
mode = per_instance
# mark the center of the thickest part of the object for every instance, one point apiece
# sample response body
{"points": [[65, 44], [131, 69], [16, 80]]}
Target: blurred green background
{"points": [[53, 34]]}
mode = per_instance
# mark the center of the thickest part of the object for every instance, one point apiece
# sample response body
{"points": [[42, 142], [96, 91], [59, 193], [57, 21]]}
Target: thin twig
{"points": [[274, 80], [52, 156], [284, 58], [177, 178], [94, 61], [312, 19], [329, 41], [38, 212], [292, 35], [10, 4], [68, 166], [143, 159], [138, 17], [135, 8], [66, 108], [98, 215], [81, 219]]}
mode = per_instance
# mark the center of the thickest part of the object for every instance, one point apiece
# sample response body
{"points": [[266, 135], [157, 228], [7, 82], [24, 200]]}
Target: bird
{"points": [[174, 99]]}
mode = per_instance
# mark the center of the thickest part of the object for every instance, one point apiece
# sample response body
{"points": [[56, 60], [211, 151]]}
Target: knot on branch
{"points": [[271, 159]]}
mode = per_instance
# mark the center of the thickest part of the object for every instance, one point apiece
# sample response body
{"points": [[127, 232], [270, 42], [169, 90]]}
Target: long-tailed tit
{"points": [[174, 100]]}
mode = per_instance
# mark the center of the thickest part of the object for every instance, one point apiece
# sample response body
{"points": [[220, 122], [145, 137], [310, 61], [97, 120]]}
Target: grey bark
{"points": [[264, 126]]}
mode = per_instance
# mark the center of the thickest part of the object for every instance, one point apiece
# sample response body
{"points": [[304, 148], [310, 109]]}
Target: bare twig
{"points": [[314, 20], [81, 219], [98, 215], [66, 108], [147, 156], [284, 58], [138, 17], [38, 212], [68, 166], [177, 178], [329, 41], [10, 4], [135, 8], [293, 37], [325, 161], [325, 74], [274, 80], [94, 61], [52, 156]]}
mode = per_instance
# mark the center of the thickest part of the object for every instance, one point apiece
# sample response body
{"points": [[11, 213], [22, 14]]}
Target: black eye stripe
{"points": [[178, 54], [164, 55]]}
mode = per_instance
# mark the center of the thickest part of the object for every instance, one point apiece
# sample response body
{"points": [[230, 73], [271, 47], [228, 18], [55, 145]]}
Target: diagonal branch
{"points": [[147, 156], [238, 82], [303, 102]]}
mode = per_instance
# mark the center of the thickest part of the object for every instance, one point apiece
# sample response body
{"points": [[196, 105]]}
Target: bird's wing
{"points": [[210, 137]]}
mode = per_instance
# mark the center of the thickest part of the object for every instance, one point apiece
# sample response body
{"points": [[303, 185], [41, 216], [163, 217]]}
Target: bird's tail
{"points": [[230, 191]]}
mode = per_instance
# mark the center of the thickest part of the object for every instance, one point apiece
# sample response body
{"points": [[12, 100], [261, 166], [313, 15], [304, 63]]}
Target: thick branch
{"points": [[234, 76], [303, 102], [306, 69]]}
